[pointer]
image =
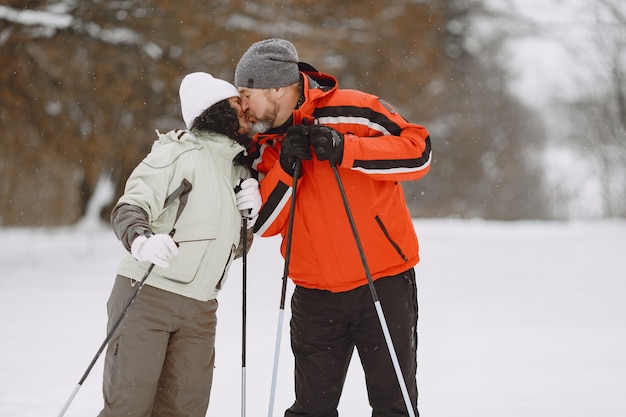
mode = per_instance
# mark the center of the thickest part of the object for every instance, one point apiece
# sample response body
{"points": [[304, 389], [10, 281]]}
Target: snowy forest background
{"points": [[525, 100], [526, 104]]}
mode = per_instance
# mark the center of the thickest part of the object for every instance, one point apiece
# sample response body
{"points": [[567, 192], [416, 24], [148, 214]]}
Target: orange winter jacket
{"points": [[381, 149]]}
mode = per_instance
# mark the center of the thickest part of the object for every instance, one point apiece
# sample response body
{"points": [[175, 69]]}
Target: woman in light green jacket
{"points": [[180, 212]]}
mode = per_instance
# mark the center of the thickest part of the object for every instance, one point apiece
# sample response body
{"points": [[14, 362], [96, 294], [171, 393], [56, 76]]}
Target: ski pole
{"points": [[281, 311], [244, 285], [108, 337], [244, 290], [379, 309], [182, 193]]}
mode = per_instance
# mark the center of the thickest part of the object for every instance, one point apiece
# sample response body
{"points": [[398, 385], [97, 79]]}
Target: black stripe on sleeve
{"points": [[364, 112], [272, 206], [391, 164]]}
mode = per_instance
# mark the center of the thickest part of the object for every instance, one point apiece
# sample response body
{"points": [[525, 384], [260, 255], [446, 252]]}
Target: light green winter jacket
{"points": [[208, 229]]}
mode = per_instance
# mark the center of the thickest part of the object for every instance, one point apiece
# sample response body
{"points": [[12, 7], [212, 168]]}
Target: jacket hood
{"points": [[177, 135], [321, 81]]}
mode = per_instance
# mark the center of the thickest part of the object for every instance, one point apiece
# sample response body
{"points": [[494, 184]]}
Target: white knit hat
{"points": [[199, 91]]}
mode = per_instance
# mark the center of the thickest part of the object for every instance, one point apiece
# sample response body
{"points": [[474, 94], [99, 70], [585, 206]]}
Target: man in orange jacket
{"points": [[300, 114]]}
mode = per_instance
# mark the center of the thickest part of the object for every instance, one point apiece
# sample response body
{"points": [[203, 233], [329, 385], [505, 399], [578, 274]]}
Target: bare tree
{"points": [[585, 148], [599, 115], [485, 141]]}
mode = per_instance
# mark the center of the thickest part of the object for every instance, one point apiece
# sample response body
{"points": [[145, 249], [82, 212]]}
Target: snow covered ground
{"points": [[516, 319]]}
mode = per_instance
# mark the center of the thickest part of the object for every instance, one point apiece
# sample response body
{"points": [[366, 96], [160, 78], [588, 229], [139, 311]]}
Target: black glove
{"points": [[296, 145], [327, 144]]}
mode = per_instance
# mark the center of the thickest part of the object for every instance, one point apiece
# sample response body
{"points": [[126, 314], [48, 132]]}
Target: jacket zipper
{"points": [[393, 243], [219, 283]]}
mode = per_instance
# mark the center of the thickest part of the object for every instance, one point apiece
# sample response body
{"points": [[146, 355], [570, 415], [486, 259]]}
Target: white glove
{"points": [[249, 200], [158, 249]]}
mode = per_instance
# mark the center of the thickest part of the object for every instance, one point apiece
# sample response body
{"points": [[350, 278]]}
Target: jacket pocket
{"points": [[193, 244], [393, 243]]}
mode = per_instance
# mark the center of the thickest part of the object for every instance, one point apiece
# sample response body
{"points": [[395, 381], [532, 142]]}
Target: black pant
{"points": [[325, 328]]}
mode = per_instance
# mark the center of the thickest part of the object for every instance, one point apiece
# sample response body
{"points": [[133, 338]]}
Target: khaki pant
{"points": [[160, 361]]}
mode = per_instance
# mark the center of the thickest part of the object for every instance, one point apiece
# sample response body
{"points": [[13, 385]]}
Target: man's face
{"points": [[260, 107], [244, 127]]}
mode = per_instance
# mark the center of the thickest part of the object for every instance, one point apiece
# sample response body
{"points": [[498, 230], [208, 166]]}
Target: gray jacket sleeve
{"points": [[128, 222]]}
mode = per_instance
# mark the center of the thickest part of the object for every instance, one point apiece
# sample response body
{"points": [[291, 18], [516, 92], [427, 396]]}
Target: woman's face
{"points": [[244, 127]]}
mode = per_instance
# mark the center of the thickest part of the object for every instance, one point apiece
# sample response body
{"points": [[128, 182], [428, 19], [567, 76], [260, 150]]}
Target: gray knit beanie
{"points": [[270, 63]]}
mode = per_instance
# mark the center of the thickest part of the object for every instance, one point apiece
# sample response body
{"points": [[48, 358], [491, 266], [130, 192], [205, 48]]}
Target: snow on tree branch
{"points": [[36, 18], [53, 21]]}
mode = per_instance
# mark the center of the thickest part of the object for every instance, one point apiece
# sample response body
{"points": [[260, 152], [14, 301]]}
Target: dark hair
{"points": [[220, 118]]}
